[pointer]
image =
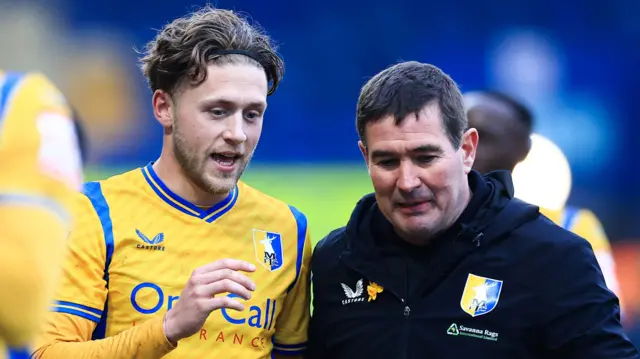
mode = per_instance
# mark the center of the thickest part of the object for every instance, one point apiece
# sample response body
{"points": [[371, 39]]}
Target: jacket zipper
{"points": [[406, 308], [407, 313]]}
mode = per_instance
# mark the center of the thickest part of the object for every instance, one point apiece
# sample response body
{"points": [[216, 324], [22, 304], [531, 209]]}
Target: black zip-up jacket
{"points": [[503, 282]]}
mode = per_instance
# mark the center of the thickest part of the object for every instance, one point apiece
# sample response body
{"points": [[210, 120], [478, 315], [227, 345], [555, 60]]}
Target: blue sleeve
{"points": [[583, 314]]}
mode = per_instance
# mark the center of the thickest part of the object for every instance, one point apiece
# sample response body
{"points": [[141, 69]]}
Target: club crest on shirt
{"points": [[268, 247], [480, 295]]}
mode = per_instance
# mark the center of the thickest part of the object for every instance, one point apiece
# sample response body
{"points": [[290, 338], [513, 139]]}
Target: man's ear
{"points": [[163, 108], [469, 146], [363, 150]]}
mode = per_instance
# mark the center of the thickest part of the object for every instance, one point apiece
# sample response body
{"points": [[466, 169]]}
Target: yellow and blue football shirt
{"points": [[584, 223], [135, 247], [40, 168]]}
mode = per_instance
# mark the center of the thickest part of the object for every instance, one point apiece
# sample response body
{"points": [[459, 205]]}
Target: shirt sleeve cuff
{"points": [[289, 349], [158, 334]]}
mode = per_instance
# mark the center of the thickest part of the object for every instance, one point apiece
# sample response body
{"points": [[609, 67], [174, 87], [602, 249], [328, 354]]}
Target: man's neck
{"points": [[174, 177]]}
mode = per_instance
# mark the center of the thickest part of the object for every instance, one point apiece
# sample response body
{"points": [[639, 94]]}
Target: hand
{"points": [[200, 296]]}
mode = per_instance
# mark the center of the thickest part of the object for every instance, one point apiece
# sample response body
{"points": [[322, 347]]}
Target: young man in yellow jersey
{"points": [[40, 168], [180, 259], [505, 127]]}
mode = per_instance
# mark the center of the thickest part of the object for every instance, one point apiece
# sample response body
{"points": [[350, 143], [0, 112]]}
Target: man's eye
{"points": [[387, 163], [218, 112], [252, 115], [426, 159]]}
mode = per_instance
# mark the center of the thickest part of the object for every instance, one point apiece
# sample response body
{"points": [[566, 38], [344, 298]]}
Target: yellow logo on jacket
{"points": [[373, 289], [480, 295]]}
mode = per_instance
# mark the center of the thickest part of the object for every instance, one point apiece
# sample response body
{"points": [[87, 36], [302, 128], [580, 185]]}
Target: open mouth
{"points": [[225, 159]]}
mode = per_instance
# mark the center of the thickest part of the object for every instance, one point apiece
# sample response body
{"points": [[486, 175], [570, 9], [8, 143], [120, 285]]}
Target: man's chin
{"points": [[218, 184], [221, 182], [413, 231]]}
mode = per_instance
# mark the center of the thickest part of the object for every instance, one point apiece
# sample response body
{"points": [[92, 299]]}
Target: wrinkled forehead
{"points": [[415, 132]]}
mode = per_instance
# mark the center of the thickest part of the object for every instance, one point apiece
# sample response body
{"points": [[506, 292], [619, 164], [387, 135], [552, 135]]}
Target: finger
{"points": [[223, 286], [211, 304], [218, 275], [226, 263]]}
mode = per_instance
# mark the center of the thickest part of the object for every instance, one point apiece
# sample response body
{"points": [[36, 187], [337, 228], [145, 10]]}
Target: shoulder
{"points": [[90, 215], [559, 256], [329, 248], [42, 93], [587, 225], [94, 208], [554, 215], [115, 184], [335, 240], [548, 239], [271, 207], [100, 194], [563, 269]]}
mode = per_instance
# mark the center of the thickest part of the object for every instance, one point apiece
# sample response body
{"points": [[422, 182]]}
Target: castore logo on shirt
{"points": [[150, 244]]}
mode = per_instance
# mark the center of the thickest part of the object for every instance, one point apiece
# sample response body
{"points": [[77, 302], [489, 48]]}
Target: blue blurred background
{"points": [[575, 65]]}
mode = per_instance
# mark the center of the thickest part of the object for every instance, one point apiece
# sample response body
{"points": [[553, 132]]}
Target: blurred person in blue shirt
{"points": [[505, 126]]}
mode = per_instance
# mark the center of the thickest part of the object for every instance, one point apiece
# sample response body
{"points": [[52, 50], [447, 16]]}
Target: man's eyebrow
{"points": [[228, 102], [382, 153], [420, 149], [427, 148]]}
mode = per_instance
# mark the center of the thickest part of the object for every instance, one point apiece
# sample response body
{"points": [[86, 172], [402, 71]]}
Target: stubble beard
{"points": [[194, 165]]}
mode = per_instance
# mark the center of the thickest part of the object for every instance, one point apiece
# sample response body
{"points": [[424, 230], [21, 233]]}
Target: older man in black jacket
{"points": [[441, 262]]}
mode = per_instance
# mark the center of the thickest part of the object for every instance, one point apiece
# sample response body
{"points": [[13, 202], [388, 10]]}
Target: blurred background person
{"points": [[576, 72], [543, 175], [505, 127], [41, 155], [544, 178]]}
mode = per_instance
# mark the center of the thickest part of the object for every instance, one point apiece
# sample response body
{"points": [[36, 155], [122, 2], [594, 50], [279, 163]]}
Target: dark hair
{"points": [[406, 88], [522, 113], [184, 48], [83, 142]]}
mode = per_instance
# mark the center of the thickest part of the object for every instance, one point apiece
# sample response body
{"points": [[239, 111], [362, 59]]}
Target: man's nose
{"points": [[235, 129], [408, 178]]}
